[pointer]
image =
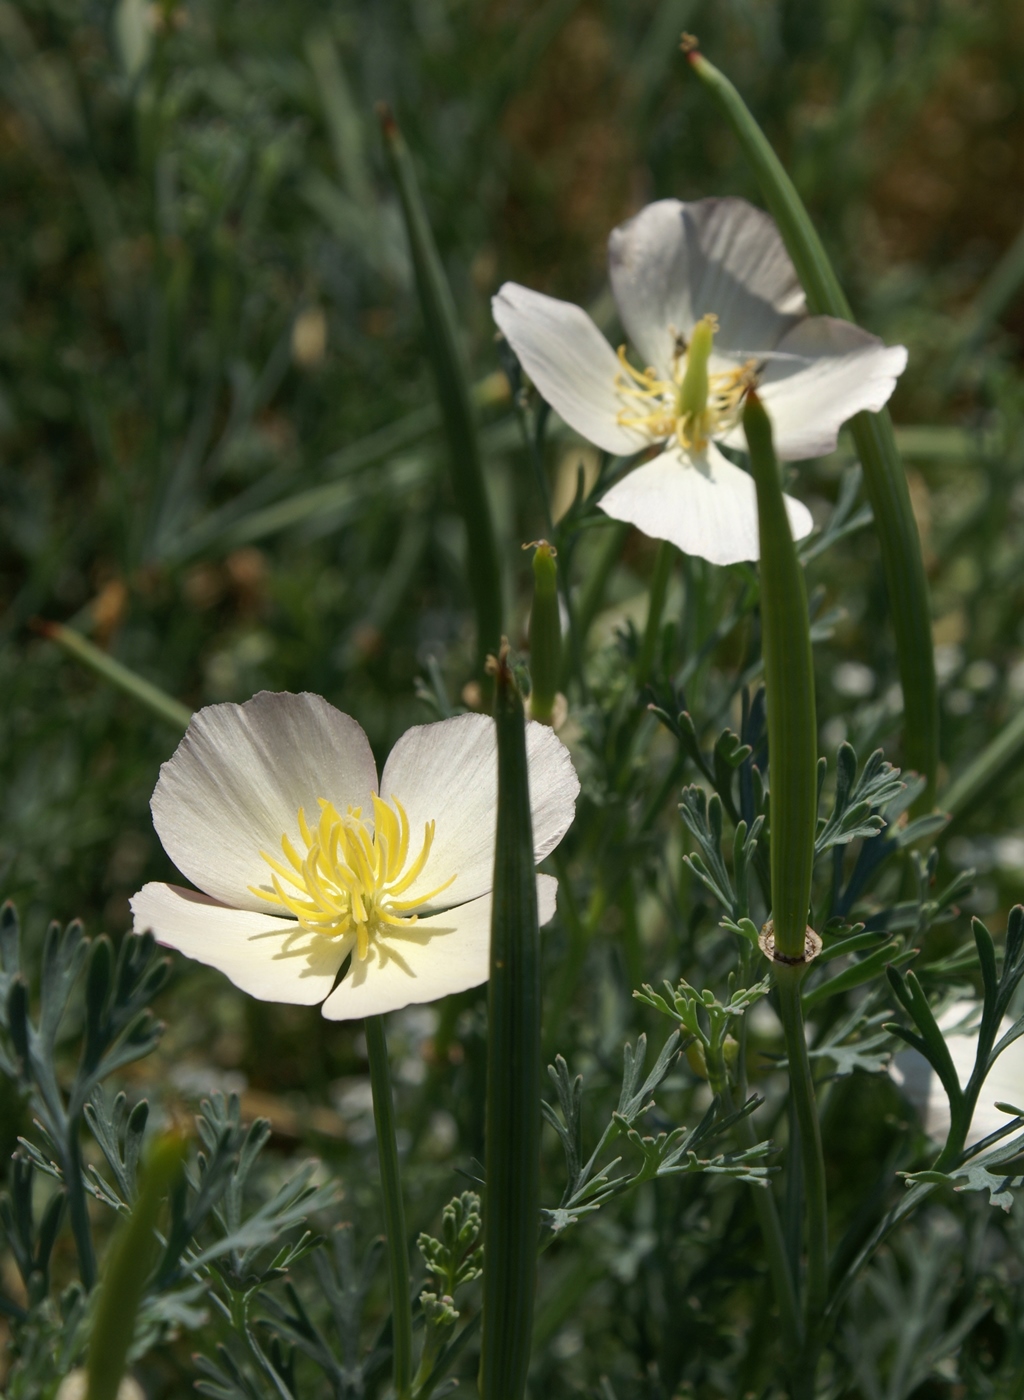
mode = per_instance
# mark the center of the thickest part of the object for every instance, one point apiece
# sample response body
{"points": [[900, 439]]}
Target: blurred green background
{"points": [[220, 454]]}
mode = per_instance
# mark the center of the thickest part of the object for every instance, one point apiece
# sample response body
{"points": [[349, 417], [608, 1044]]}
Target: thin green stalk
{"points": [[394, 1206], [512, 1204], [113, 671], [660, 576], [801, 1084], [884, 477], [454, 393]]}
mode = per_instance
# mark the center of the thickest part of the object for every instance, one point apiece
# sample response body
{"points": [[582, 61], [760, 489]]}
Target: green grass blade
{"points": [[873, 435], [454, 394], [512, 1199]]}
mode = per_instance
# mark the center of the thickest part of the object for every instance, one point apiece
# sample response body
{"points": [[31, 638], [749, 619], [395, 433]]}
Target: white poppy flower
{"points": [[708, 295], [272, 809], [921, 1085]]}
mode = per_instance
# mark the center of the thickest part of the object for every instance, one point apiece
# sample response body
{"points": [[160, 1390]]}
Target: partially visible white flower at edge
{"points": [[709, 298], [920, 1084], [273, 810]]}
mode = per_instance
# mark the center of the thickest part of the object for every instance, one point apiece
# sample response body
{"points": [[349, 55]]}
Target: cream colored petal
{"points": [[569, 360], [439, 955], [704, 505], [823, 373], [447, 773], [236, 781], [673, 263], [271, 959]]}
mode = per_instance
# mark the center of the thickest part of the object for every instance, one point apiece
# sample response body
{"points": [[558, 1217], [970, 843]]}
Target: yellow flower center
{"points": [[353, 876], [694, 405]]}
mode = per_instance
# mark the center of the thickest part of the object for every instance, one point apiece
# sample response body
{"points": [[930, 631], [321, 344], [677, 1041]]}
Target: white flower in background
{"points": [[921, 1085], [272, 809], [707, 294]]}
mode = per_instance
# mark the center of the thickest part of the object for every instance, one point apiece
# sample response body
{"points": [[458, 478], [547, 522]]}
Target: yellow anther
{"points": [[692, 406], [351, 878]]}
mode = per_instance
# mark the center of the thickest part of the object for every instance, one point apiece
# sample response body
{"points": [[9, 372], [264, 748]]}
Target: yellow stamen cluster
{"points": [[669, 408], [352, 878]]}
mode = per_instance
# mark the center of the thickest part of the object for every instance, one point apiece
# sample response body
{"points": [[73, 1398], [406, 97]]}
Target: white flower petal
{"points": [[570, 362], [236, 781], [272, 959], [920, 1084], [447, 773], [703, 505], [439, 955], [822, 373], [673, 263]]}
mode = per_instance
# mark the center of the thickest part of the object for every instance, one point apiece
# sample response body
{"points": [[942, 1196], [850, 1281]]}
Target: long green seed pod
{"points": [[792, 756], [126, 1269], [512, 1199], [789, 686], [873, 435], [454, 393], [545, 634]]}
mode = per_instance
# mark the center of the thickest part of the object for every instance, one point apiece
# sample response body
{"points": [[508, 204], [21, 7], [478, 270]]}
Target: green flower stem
{"points": [[155, 699], [662, 573], [454, 393], [801, 1084], [394, 1206], [545, 634], [126, 1270], [884, 477], [512, 1201], [789, 684]]}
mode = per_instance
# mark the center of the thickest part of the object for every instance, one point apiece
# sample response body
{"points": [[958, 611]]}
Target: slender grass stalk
{"points": [[873, 435], [511, 1213], [662, 573], [454, 393], [126, 1269], [394, 1206], [792, 757], [155, 699], [545, 634]]}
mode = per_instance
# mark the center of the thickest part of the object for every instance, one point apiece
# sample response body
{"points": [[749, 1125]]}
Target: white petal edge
{"points": [[448, 773], [820, 375], [569, 360], [235, 783], [673, 263], [441, 954], [704, 506], [920, 1084], [272, 959]]}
